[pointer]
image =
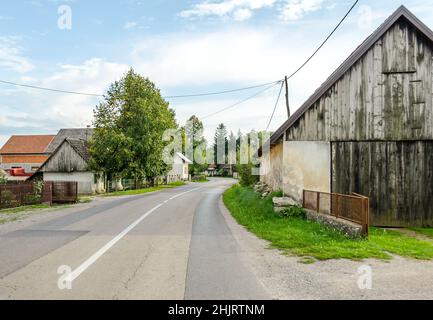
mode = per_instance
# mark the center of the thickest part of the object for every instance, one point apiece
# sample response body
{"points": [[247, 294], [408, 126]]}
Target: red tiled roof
{"points": [[23, 159], [27, 144]]}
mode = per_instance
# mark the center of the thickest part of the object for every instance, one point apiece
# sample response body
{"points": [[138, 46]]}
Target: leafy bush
{"points": [[294, 212], [199, 178], [3, 179], [31, 199], [7, 199], [225, 173], [246, 177], [38, 187]]}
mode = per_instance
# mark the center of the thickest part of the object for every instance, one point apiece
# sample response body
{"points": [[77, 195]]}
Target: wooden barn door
{"points": [[397, 176]]}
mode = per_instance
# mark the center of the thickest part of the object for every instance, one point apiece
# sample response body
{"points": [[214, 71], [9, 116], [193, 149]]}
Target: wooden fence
{"points": [[64, 191], [354, 208], [22, 194]]}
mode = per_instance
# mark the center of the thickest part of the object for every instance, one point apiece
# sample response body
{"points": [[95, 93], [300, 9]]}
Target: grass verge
{"points": [[13, 214], [309, 239], [24, 209], [424, 231], [146, 190]]}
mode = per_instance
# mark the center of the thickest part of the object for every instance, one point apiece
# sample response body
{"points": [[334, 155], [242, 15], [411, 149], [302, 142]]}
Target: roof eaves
{"points": [[350, 61]]}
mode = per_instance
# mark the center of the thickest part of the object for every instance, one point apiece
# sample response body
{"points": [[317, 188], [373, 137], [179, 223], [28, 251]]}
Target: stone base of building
{"points": [[350, 229]]}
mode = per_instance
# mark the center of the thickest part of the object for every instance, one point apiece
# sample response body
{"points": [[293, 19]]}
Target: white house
{"points": [[180, 170]]}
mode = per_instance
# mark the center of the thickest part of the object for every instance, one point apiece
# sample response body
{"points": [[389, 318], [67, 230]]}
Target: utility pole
{"points": [[286, 81]]}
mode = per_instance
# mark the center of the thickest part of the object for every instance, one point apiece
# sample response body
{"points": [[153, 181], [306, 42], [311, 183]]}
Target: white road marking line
{"points": [[86, 264], [181, 194]]}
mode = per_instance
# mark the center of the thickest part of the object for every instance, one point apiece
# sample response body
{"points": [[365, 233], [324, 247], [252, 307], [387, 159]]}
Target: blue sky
{"points": [[183, 46]]}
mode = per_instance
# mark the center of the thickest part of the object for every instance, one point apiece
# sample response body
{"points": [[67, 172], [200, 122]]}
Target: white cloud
{"points": [[243, 9], [296, 9], [229, 56], [242, 14], [130, 25], [11, 55], [49, 112], [93, 76], [236, 9], [236, 57]]}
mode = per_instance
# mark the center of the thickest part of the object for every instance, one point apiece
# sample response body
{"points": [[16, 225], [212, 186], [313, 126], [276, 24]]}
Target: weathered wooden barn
{"points": [[70, 162], [368, 129]]}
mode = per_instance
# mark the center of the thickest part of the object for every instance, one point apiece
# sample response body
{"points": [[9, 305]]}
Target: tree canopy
{"points": [[129, 127]]}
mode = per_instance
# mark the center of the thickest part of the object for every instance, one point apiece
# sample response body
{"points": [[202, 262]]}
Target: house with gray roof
{"points": [[69, 161], [84, 134]]}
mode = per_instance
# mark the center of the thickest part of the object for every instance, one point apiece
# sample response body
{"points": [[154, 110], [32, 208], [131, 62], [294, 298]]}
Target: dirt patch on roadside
{"points": [[285, 277], [412, 234]]}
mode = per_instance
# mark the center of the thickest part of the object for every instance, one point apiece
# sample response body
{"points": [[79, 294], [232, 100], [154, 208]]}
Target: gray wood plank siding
{"points": [[386, 95], [66, 159], [379, 119], [397, 176]]}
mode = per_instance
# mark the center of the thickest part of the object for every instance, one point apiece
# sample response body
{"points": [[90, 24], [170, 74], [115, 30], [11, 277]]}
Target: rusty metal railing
{"points": [[354, 208]]}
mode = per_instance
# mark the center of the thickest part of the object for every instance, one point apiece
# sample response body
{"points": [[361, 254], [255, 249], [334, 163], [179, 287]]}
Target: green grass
{"points": [[13, 214], [308, 239], [146, 190], [85, 199], [424, 231], [24, 208]]}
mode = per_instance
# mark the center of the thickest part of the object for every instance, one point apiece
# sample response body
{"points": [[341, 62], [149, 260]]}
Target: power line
{"points": [[50, 89], [221, 92], [242, 101], [276, 105], [307, 61], [272, 84], [166, 97], [326, 40]]}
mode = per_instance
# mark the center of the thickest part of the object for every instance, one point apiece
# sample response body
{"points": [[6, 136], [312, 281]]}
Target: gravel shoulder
{"points": [[285, 278]]}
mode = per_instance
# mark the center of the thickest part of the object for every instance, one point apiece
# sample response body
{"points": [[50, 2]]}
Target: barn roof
{"points": [[80, 147], [401, 13], [75, 134], [184, 158], [27, 144]]}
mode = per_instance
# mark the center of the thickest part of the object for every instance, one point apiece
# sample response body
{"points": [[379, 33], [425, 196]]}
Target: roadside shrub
{"points": [[3, 179], [7, 199], [294, 212], [38, 187], [31, 199], [200, 178], [246, 177]]}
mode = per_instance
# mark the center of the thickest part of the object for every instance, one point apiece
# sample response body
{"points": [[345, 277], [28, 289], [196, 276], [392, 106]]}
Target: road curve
{"points": [[174, 244]]}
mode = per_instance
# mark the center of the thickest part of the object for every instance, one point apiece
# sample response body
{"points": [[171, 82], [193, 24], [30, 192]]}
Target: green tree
{"points": [[129, 127], [248, 146], [3, 179], [196, 143], [220, 144]]}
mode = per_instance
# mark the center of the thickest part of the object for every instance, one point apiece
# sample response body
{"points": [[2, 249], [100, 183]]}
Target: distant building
{"points": [[180, 167], [70, 162], [25, 153], [84, 134]]}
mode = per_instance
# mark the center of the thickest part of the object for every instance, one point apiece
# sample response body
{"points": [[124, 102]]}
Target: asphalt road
{"points": [[174, 244]]}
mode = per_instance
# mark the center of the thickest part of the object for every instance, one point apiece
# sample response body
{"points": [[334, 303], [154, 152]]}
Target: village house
{"points": [[180, 170], [22, 155], [69, 161], [368, 129]]}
